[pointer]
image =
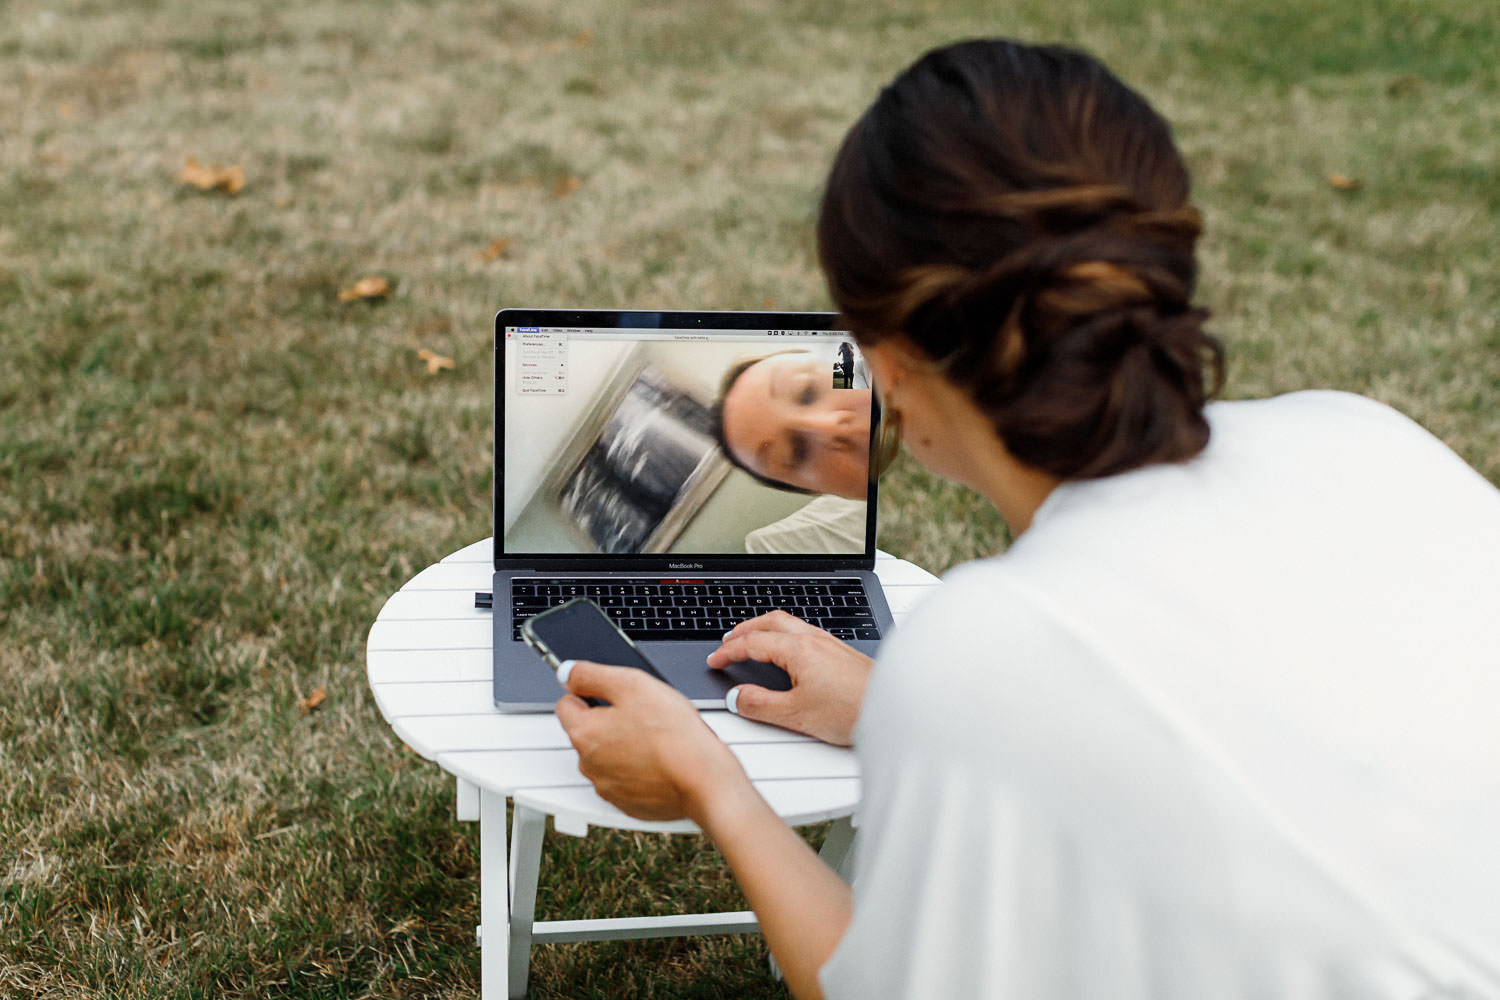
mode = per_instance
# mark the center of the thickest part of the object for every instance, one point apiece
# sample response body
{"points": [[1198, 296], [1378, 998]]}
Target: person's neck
{"points": [[1016, 490], [983, 463], [950, 435]]}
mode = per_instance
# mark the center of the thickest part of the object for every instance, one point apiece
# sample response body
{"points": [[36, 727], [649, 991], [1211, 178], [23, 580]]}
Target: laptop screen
{"points": [[703, 434]]}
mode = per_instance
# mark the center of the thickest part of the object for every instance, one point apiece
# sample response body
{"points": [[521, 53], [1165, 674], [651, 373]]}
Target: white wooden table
{"points": [[429, 668]]}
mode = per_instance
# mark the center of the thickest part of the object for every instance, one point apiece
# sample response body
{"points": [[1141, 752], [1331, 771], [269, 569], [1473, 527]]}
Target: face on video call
{"points": [[784, 420]]}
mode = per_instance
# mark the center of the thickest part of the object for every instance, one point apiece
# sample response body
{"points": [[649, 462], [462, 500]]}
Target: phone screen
{"points": [[580, 630]]}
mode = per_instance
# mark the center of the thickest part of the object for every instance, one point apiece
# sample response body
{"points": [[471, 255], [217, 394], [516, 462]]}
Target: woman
{"points": [[1220, 722], [780, 419]]}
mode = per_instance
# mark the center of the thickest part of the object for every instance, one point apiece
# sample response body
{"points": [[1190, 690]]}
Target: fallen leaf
{"points": [[314, 701], [209, 177], [565, 186], [435, 361], [365, 288], [1345, 183], [770, 303], [583, 39], [497, 248]]}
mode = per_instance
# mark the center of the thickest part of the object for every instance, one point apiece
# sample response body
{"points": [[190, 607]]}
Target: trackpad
{"points": [[683, 667]]}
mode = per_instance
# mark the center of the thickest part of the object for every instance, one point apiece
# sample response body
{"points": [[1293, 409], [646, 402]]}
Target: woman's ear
{"points": [[891, 361]]}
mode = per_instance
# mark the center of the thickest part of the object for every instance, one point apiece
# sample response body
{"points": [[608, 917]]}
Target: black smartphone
{"points": [[580, 630]]}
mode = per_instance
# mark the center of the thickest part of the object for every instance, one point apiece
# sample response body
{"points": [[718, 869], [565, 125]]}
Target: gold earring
{"points": [[887, 443]]}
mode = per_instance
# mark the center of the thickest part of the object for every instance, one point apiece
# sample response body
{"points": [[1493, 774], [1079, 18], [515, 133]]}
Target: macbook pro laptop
{"points": [[611, 483]]}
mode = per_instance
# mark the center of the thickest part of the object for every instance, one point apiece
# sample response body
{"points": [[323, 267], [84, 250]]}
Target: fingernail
{"points": [[563, 670], [727, 635], [732, 701]]}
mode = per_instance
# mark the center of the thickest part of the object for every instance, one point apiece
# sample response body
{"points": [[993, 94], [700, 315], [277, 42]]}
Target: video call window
{"points": [[609, 446]]}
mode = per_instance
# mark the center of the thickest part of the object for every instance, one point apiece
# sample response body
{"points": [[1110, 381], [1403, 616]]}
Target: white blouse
{"points": [[1227, 729]]}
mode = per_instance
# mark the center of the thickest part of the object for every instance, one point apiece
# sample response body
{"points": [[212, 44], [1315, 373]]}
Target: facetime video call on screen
{"points": [[610, 446]]}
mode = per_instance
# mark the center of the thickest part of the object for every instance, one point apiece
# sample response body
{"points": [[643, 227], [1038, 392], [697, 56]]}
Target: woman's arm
{"points": [[650, 754], [804, 906]]}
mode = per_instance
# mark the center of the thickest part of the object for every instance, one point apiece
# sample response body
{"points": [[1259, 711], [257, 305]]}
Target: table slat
{"points": [[413, 666], [799, 801], [433, 605], [441, 634], [452, 576], [439, 734], [482, 551], [506, 771]]}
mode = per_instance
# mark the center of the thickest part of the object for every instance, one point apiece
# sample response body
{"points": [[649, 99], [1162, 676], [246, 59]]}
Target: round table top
{"points": [[429, 665]]}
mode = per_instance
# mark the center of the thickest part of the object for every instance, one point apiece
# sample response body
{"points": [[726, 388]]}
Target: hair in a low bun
{"points": [[1022, 217]]}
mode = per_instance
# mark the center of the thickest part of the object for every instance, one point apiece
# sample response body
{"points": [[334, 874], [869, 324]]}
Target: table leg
{"points": [[494, 898], [525, 863], [838, 848]]}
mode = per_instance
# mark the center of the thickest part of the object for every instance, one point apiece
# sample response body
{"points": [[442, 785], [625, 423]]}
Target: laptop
{"points": [[610, 484]]}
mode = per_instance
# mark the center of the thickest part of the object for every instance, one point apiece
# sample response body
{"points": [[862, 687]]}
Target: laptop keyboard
{"points": [[654, 609]]}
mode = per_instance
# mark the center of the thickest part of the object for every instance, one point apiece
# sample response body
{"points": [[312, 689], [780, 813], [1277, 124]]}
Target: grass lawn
{"points": [[213, 471]]}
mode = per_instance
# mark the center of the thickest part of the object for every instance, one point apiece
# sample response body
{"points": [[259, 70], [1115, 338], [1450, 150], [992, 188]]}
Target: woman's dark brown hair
{"points": [[1022, 217]]}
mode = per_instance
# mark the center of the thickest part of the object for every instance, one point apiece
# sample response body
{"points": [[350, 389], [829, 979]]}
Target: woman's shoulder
{"points": [[1315, 414], [1348, 445]]}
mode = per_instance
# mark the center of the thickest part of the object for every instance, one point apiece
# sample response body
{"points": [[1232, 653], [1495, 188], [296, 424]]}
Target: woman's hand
{"points": [[647, 751], [828, 676]]}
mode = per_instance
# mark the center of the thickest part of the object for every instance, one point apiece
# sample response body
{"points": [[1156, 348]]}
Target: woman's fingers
{"points": [[784, 649], [777, 638], [648, 752], [593, 680], [773, 621]]}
